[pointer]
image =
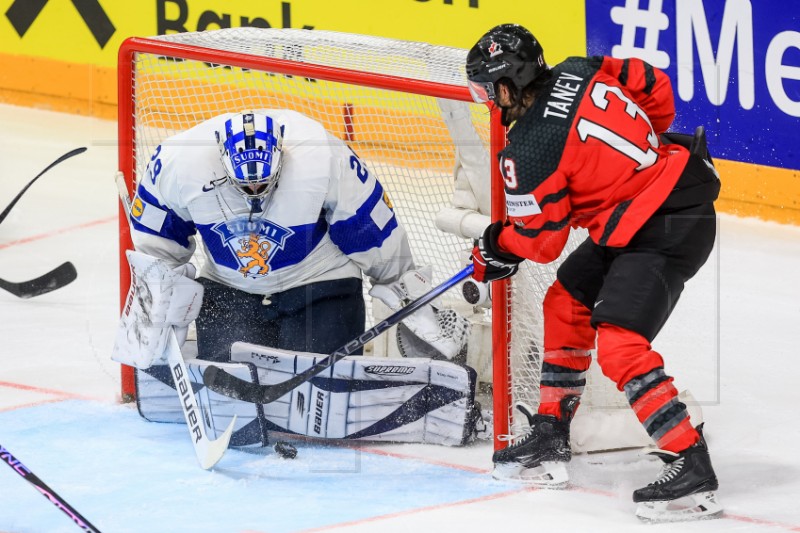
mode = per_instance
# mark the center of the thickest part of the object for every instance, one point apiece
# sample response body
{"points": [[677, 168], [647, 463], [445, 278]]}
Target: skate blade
{"points": [[700, 506], [548, 474]]}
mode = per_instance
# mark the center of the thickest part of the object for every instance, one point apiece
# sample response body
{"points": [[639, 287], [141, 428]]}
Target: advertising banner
{"points": [[90, 31], [734, 65]]}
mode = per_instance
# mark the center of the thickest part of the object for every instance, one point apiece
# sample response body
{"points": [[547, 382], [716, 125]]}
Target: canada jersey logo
{"points": [[253, 244], [495, 49]]}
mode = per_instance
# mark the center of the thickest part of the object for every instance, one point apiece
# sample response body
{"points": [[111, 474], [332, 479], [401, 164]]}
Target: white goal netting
{"points": [[402, 106]]}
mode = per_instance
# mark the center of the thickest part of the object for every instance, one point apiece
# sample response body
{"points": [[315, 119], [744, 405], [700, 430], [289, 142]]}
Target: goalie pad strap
{"points": [[400, 400]]}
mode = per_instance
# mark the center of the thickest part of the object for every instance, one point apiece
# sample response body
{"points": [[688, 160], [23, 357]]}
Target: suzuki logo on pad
{"points": [[23, 13]]}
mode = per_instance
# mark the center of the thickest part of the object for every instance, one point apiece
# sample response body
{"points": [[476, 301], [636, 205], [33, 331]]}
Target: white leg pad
{"points": [[158, 401], [369, 398]]}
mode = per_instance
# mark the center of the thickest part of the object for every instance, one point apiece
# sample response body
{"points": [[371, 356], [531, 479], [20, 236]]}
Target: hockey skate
{"points": [[684, 489], [540, 457]]}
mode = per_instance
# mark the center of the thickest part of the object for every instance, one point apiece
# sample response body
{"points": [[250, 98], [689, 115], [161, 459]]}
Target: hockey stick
{"points": [[208, 451], [64, 157], [60, 276], [221, 382], [46, 491]]}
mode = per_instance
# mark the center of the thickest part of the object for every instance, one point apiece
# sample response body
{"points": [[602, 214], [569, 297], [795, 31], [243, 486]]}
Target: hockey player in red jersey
{"points": [[589, 148]]}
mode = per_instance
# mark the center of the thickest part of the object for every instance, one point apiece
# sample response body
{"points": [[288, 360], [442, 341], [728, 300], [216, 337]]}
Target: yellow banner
{"points": [[90, 31]]}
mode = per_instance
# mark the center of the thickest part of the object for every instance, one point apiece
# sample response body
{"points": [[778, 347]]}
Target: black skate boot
{"points": [[541, 455], [685, 488]]}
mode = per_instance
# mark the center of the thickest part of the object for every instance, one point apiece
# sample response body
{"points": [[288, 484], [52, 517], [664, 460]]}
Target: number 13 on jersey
{"points": [[628, 147]]}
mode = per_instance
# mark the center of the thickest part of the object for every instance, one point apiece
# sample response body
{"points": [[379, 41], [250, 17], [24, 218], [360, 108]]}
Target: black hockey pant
{"points": [[318, 317]]}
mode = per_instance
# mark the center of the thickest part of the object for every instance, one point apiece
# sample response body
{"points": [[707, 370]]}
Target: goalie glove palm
{"points": [[441, 331], [490, 263]]}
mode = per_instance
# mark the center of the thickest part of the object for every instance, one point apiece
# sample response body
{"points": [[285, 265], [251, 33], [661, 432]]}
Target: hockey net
{"points": [[404, 108]]}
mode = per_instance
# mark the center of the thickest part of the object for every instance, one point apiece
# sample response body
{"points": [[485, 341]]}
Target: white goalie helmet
{"points": [[250, 150]]}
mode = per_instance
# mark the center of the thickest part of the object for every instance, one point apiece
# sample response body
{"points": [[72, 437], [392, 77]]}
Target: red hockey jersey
{"points": [[587, 154]]}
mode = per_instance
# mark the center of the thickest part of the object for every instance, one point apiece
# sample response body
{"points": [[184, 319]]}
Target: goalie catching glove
{"points": [[160, 297], [429, 332], [490, 263]]}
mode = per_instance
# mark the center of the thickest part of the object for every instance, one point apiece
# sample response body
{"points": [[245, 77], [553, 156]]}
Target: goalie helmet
{"points": [[506, 51], [250, 149]]}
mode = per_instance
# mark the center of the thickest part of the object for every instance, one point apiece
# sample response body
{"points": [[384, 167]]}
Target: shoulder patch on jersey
{"points": [[147, 214], [381, 214]]}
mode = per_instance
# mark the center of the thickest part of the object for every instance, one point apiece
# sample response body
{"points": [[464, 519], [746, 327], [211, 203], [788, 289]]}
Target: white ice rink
{"points": [[734, 341]]}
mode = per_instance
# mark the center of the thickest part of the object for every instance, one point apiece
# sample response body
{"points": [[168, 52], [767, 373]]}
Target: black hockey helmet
{"points": [[506, 51]]}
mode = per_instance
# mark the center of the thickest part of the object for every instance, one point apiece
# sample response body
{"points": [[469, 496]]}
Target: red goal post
{"points": [[381, 96]]}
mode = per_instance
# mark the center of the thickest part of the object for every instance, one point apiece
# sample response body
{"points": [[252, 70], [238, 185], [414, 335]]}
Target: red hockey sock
{"points": [[563, 374], [627, 358]]}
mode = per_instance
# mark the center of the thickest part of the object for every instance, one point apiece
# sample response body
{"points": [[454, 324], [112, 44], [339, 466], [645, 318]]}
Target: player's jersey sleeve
{"points": [[362, 220], [648, 86], [162, 227], [539, 216]]}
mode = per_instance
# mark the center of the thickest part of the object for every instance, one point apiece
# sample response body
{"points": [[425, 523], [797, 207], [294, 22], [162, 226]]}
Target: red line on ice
{"points": [[61, 231]]}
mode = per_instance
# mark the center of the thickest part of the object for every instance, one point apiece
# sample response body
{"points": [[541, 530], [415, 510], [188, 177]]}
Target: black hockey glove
{"points": [[490, 263]]}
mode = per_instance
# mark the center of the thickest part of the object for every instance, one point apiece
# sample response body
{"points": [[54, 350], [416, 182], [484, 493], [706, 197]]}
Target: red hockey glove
{"points": [[490, 263]]}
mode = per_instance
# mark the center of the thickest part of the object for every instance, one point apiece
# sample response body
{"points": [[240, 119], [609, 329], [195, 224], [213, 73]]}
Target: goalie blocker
{"points": [[364, 398]]}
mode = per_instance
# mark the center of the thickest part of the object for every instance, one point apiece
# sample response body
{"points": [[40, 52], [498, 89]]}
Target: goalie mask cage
{"points": [[384, 97]]}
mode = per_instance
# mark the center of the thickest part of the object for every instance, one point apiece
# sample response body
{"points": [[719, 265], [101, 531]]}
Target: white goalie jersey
{"points": [[329, 217]]}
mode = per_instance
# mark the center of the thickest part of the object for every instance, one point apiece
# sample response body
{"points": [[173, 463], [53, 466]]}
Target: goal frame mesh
{"points": [[501, 325]]}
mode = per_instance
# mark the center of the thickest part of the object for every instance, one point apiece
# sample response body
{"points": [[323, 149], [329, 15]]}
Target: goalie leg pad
{"points": [[157, 401], [368, 398]]}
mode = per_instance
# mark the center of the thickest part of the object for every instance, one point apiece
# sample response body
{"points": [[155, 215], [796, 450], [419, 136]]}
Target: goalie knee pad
{"points": [[368, 398]]}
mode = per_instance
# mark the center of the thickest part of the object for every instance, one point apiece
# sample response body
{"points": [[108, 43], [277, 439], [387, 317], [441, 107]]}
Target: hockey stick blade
{"points": [[221, 382], [61, 159], [55, 279], [46, 491], [208, 451]]}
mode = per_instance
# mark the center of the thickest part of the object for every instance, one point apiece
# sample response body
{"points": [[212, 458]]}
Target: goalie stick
{"points": [[220, 381], [60, 276], [61, 159], [17, 466], [208, 451]]}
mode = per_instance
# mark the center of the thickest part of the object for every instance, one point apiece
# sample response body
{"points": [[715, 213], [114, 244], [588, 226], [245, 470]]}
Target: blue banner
{"points": [[734, 66]]}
